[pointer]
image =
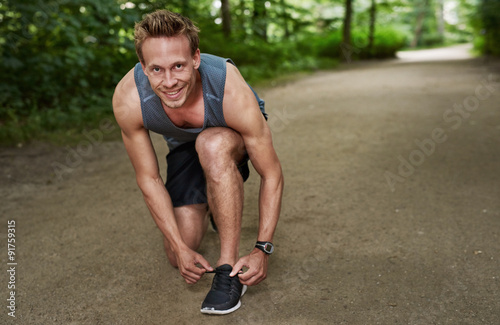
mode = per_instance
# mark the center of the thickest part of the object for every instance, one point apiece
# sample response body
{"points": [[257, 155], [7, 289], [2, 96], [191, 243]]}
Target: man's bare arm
{"points": [[242, 114], [126, 106]]}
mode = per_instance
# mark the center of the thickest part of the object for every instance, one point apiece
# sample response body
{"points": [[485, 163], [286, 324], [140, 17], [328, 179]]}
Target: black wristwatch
{"points": [[265, 246]]}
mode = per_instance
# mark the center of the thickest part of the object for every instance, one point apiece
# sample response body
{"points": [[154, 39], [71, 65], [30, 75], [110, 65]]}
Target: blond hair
{"points": [[164, 23]]}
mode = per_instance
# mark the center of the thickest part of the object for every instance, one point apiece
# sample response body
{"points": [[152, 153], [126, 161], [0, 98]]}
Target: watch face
{"points": [[266, 247]]}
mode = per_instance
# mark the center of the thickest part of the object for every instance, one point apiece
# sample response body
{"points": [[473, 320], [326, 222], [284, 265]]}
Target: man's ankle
{"points": [[226, 261]]}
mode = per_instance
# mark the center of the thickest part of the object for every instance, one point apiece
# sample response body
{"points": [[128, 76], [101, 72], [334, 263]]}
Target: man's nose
{"points": [[169, 79]]}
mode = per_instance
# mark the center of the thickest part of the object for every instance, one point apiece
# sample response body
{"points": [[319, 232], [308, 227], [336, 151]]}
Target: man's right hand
{"points": [[188, 261]]}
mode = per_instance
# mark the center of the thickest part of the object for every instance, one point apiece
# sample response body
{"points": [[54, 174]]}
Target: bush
{"points": [[258, 60], [321, 46], [60, 60], [489, 27], [388, 41], [431, 40]]}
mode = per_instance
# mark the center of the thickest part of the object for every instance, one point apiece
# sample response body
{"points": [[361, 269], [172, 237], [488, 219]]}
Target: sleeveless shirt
{"points": [[213, 79]]}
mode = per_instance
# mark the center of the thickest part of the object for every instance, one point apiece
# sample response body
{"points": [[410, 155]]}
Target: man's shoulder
{"points": [[126, 88], [126, 96]]}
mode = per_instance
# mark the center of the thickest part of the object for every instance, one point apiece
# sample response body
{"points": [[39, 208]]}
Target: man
{"points": [[213, 123]]}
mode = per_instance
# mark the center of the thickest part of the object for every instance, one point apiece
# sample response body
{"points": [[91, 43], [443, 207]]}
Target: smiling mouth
{"points": [[172, 93]]}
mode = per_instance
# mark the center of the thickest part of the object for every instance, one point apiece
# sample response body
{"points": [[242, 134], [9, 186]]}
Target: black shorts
{"points": [[185, 178]]}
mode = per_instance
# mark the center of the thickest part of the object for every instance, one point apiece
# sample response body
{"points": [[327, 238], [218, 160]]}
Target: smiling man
{"points": [[213, 123]]}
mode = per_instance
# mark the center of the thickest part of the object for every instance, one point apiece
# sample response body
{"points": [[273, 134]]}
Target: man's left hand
{"points": [[256, 262]]}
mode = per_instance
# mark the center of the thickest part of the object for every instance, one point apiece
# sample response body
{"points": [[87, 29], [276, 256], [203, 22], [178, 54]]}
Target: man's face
{"points": [[170, 68]]}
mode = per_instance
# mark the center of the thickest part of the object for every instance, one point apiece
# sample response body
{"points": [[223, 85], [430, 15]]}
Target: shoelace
{"points": [[221, 282]]}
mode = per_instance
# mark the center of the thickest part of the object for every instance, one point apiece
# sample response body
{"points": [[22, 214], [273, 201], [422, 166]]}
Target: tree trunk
{"points": [[226, 18], [345, 46], [346, 30], [420, 23], [440, 19], [241, 20], [285, 19], [186, 8], [373, 16], [259, 19]]}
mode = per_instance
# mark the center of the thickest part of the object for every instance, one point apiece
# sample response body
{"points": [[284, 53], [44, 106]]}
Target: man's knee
{"points": [[209, 142], [219, 145]]}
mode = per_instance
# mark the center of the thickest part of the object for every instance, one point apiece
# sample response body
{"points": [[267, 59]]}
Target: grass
{"points": [[57, 127]]}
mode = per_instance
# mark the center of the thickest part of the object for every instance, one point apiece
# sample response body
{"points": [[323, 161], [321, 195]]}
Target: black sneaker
{"points": [[224, 296]]}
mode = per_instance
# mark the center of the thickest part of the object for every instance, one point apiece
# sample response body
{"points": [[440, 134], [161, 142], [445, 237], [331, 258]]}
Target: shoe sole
{"points": [[227, 311]]}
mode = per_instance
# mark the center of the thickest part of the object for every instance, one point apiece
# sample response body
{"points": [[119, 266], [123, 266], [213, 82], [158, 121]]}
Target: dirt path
{"points": [[391, 211]]}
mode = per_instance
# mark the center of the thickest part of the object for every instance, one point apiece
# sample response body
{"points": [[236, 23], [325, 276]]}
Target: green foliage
{"points": [[55, 125], [61, 59], [324, 46], [388, 40], [259, 60], [54, 54], [489, 27]]}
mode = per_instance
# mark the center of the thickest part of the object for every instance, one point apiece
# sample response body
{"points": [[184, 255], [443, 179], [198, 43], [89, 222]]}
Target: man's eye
{"points": [[156, 69], [178, 66]]}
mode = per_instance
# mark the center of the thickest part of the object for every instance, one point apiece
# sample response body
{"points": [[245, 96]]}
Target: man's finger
{"points": [[204, 263], [188, 278], [247, 275], [254, 279], [193, 276], [193, 273], [248, 280], [237, 268]]}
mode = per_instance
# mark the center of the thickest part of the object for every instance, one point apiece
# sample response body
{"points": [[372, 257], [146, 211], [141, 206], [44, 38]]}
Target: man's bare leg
{"points": [[192, 221], [219, 150]]}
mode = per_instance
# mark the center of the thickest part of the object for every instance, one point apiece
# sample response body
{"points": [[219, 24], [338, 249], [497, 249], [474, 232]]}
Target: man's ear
{"points": [[197, 59]]}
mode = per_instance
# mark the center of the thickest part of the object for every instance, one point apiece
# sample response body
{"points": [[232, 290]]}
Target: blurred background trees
{"points": [[60, 59]]}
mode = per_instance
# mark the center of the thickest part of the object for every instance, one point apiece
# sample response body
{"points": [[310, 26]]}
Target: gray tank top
{"points": [[213, 79]]}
